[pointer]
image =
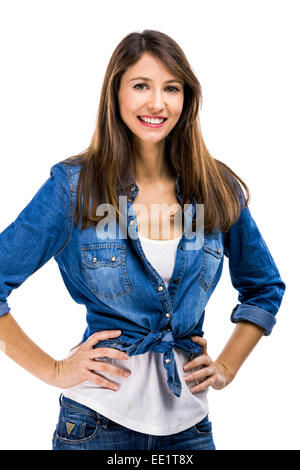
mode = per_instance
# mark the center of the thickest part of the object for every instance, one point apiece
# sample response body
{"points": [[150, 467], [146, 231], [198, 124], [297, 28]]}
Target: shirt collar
{"points": [[131, 186]]}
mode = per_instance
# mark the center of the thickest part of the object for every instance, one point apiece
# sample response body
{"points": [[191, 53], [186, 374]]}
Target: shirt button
{"points": [[160, 288], [95, 260], [132, 188], [176, 281], [168, 329], [168, 315], [218, 250], [113, 258], [131, 222], [181, 247], [167, 361]]}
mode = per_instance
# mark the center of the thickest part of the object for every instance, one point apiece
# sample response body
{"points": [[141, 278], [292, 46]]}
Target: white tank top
{"points": [[144, 402]]}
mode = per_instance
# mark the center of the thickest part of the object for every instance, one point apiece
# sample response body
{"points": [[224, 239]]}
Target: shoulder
{"points": [[67, 171]]}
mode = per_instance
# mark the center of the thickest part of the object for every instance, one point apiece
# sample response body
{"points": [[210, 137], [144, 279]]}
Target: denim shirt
{"points": [[120, 288]]}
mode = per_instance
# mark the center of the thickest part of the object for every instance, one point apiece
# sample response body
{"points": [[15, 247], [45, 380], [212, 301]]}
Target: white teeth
{"points": [[152, 121]]}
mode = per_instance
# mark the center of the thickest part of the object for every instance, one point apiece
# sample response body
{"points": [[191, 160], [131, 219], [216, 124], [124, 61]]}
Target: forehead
{"points": [[149, 66]]}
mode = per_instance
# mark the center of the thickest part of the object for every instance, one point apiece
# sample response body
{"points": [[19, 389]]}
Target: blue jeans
{"points": [[81, 428]]}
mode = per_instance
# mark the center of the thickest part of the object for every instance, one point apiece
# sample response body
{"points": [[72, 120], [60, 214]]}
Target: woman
{"points": [[144, 282]]}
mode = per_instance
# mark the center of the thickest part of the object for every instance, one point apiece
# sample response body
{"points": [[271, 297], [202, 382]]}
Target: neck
{"points": [[149, 162]]}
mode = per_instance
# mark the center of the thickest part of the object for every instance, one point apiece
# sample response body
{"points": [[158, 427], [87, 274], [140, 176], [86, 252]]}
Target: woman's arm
{"points": [[255, 275], [244, 338], [221, 372], [77, 367], [21, 349]]}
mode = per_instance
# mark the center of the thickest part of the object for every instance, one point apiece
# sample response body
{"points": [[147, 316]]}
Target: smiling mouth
{"points": [[152, 122]]}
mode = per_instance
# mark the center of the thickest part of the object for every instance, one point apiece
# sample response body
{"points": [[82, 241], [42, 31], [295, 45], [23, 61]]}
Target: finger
{"points": [[107, 368], [107, 352], [101, 335], [197, 361], [102, 381], [204, 385], [199, 374], [201, 341]]}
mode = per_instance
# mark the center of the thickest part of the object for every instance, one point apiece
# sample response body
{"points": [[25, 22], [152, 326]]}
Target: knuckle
{"points": [[97, 335], [104, 351], [104, 367]]}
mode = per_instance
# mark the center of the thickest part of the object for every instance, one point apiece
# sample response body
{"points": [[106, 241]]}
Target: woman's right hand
{"points": [[80, 363]]}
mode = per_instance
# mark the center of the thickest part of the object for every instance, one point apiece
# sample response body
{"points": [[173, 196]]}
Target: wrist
{"points": [[53, 374], [229, 374]]}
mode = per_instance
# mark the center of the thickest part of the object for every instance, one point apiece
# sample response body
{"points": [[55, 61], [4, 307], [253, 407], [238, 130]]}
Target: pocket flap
{"points": [[103, 254], [216, 251]]}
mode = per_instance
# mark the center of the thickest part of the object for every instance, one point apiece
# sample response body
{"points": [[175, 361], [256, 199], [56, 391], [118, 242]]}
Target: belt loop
{"points": [[103, 420]]}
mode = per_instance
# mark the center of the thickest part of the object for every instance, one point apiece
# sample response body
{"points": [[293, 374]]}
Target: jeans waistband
{"points": [[80, 408]]}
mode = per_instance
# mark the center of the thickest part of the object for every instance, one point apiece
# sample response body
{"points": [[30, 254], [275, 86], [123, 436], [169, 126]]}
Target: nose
{"points": [[156, 102]]}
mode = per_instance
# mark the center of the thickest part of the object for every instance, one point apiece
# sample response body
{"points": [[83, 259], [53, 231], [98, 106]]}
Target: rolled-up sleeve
{"points": [[253, 273], [39, 232]]}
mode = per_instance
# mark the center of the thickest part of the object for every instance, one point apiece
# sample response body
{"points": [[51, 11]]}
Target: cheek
{"points": [[177, 107], [177, 112], [124, 105], [129, 105]]}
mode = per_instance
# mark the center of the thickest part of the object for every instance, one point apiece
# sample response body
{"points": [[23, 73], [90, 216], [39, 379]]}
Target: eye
{"points": [[170, 89], [174, 89], [139, 85]]}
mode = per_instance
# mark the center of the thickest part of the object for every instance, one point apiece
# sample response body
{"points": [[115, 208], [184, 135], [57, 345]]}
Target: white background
{"points": [[246, 56]]}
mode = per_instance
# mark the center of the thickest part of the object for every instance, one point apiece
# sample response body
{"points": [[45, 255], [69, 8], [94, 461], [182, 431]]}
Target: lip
{"points": [[147, 124], [152, 116]]}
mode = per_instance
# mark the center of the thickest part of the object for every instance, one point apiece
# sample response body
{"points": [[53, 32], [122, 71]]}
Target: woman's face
{"points": [[149, 92]]}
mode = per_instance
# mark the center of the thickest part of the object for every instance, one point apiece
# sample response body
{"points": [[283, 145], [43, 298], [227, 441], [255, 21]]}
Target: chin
{"points": [[152, 141]]}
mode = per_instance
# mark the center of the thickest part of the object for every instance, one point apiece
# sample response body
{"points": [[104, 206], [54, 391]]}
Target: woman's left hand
{"points": [[210, 373]]}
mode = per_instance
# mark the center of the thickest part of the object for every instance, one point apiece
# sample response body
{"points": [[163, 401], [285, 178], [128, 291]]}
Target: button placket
{"points": [[160, 288], [167, 358]]}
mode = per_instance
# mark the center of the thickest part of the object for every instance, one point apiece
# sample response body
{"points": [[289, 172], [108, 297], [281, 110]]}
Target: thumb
{"points": [[201, 341]]}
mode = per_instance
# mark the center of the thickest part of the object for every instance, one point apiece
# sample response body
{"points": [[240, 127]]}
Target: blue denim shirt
{"points": [[121, 289]]}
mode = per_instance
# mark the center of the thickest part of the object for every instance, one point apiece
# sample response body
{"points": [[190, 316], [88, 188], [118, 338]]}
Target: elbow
{"points": [[260, 306]]}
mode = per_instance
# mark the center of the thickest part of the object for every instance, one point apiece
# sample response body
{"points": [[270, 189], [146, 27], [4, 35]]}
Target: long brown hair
{"points": [[106, 162]]}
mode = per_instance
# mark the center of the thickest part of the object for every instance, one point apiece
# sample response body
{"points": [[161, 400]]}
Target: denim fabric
{"points": [[81, 428], [119, 287]]}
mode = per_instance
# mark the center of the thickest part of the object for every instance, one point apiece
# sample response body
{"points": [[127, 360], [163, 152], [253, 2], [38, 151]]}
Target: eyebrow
{"points": [[149, 80]]}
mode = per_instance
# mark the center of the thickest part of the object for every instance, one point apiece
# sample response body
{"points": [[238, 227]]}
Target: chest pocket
{"points": [[105, 266], [212, 255]]}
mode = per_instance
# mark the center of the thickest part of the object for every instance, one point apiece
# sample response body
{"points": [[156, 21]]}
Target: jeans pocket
{"points": [[75, 426], [203, 427]]}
